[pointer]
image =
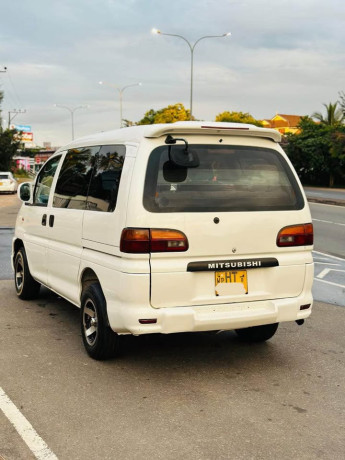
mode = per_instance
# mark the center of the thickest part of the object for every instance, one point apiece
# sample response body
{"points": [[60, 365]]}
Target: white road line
{"points": [[328, 222], [329, 255], [329, 282], [326, 263], [35, 443], [324, 272]]}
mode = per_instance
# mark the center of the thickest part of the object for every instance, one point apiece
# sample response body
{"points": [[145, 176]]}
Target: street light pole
{"points": [[120, 90], [191, 47], [71, 110]]}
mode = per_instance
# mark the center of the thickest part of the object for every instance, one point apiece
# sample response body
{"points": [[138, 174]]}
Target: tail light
{"points": [[146, 240], [296, 235]]}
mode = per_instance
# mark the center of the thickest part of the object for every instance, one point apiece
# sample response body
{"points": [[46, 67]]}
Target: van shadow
{"points": [[214, 349]]}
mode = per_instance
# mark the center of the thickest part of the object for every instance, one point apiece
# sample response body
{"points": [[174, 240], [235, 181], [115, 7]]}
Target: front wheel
{"points": [[257, 333], [26, 287], [100, 341]]}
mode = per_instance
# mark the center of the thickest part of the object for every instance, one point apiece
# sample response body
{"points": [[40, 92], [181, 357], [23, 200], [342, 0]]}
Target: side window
{"points": [[105, 181], [74, 178], [44, 182]]}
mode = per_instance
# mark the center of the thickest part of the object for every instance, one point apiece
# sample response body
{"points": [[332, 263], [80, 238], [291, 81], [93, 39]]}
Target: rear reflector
{"points": [[148, 321], [296, 235], [146, 240]]}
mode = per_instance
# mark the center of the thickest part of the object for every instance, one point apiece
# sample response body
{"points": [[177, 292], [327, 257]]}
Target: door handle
{"points": [[51, 221], [44, 219]]}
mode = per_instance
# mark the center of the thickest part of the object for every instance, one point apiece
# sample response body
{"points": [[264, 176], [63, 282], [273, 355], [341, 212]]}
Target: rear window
{"points": [[4, 176], [228, 178]]}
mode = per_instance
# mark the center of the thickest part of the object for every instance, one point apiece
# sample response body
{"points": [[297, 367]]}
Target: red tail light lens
{"points": [[135, 240], [145, 240], [296, 235]]}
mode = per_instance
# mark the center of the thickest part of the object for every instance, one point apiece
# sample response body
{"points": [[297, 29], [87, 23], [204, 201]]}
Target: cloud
{"points": [[285, 56]]}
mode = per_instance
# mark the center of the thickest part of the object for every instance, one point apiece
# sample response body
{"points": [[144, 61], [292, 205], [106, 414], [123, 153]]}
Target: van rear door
{"points": [[231, 207]]}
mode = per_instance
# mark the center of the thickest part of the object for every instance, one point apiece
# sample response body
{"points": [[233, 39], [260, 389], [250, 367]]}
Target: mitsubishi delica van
{"points": [[191, 226]]}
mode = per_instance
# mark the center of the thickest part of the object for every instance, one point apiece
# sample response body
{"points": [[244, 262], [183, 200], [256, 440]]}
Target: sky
{"points": [[283, 56]]}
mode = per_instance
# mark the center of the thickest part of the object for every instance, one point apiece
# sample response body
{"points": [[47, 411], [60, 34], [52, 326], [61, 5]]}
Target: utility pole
{"points": [[4, 70], [15, 113]]}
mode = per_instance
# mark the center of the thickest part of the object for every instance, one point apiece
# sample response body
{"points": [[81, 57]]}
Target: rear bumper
{"points": [[213, 317], [8, 188], [125, 311]]}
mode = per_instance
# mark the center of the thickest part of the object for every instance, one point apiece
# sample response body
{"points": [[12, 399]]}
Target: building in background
{"points": [[283, 123]]}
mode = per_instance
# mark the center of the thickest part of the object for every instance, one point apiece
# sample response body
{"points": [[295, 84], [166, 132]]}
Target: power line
{"points": [[15, 113]]}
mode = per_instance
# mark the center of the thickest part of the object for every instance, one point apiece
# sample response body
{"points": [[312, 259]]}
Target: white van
{"points": [[169, 228]]}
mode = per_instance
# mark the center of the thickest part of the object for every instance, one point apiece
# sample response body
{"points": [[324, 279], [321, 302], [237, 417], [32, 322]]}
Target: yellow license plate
{"points": [[232, 277], [0, 183]]}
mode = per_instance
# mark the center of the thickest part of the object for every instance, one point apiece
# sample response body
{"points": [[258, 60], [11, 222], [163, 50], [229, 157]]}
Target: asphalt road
{"points": [[329, 228], [194, 396]]}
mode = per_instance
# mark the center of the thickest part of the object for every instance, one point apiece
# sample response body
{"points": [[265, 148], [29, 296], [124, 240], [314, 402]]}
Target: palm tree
{"points": [[334, 115]]}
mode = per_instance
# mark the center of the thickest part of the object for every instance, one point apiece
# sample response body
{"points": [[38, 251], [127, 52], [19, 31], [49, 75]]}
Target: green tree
{"points": [[149, 118], [238, 117], [342, 102], [334, 115], [8, 148], [172, 113], [1, 98], [317, 152], [8, 145], [169, 114]]}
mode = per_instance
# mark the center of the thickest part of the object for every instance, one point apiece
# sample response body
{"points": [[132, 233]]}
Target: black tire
{"points": [[26, 287], [100, 341], [257, 334]]}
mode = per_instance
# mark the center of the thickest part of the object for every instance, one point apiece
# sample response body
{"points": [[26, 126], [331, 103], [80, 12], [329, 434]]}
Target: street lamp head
{"points": [[155, 31], [227, 34], [100, 83]]}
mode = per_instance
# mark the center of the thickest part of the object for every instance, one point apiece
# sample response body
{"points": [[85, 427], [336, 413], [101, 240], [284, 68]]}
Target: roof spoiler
{"points": [[224, 129]]}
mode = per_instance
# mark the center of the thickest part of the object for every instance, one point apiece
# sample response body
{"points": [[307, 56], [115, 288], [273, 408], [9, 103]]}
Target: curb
{"points": [[326, 201]]}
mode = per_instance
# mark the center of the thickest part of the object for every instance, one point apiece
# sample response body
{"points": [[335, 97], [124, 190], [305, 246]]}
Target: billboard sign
{"points": [[27, 137], [23, 128]]}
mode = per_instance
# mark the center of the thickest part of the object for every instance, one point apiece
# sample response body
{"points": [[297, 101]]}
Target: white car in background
{"points": [[8, 183]]}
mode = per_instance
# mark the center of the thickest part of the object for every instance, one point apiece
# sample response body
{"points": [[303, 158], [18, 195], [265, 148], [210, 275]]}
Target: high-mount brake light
{"points": [[296, 235], [146, 240], [225, 127]]}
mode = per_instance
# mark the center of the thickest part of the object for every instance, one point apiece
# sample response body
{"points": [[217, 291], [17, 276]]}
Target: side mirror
{"points": [[25, 192]]}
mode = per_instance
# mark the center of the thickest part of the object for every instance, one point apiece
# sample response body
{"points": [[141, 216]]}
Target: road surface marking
{"points": [[329, 255], [324, 272], [329, 282], [328, 222], [35, 443], [326, 263]]}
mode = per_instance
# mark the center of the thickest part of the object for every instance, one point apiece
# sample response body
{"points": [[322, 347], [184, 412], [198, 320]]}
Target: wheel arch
{"points": [[17, 244], [88, 277]]}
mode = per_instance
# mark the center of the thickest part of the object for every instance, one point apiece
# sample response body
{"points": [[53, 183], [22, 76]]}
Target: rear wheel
{"points": [[26, 287], [100, 341], [257, 333]]}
